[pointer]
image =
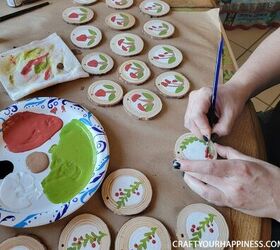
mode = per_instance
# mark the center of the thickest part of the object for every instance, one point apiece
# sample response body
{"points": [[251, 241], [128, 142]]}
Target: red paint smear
{"points": [[27, 130]]}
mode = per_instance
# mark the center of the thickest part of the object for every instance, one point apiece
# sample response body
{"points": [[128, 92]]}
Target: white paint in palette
{"points": [[82, 231], [19, 190], [19, 248], [139, 234], [124, 182], [195, 151], [194, 219]]}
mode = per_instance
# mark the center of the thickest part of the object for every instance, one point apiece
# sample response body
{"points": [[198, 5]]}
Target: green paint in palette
{"points": [[72, 164]]}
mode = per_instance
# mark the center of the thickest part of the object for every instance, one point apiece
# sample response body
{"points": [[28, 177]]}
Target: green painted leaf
{"points": [[83, 18], [91, 41], [129, 39], [41, 67], [11, 79], [104, 66], [32, 54], [148, 96], [111, 98], [171, 60], [138, 65], [107, 86], [103, 58], [164, 25], [179, 78], [167, 49], [132, 48], [140, 75], [92, 32], [162, 33], [179, 89], [149, 107], [83, 10]]}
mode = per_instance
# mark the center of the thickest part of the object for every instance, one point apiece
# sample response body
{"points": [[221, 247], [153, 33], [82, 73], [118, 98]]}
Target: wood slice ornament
{"points": [[143, 233], [154, 7], [105, 93], [199, 223], [165, 56], [86, 36], [85, 231], [142, 104], [97, 63], [120, 20], [126, 44], [22, 242], [134, 72], [85, 2], [126, 192], [189, 147], [77, 15], [119, 4], [172, 84], [158, 29]]}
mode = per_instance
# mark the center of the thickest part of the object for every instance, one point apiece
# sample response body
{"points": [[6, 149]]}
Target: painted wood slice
{"points": [[77, 15], [119, 4], [154, 7], [85, 2], [157, 28], [126, 192], [120, 20], [97, 63], [22, 242], [86, 36]]}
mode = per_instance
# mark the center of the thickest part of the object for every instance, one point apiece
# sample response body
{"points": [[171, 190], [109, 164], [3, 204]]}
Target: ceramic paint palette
{"points": [[158, 29], [97, 63], [77, 15], [134, 72], [200, 222], [172, 84], [189, 147], [142, 104], [154, 7], [22, 242], [119, 4], [86, 36], [120, 20], [165, 56], [126, 44], [105, 93], [126, 192], [66, 133], [85, 2], [85, 231], [143, 233]]}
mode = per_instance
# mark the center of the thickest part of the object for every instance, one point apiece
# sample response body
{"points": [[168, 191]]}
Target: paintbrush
{"points": [[23, 11], [211, 115]]}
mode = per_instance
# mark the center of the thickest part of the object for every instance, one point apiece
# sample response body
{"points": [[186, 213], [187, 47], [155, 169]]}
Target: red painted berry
{"points": [[121, 193], [120, 42], [82, 38], [120, 189], [165, 84], [117, 194], [100, 92], [124, 48], [74, 239], [161, 55], [135, 97], [93, 245], [156, 57], [141, 107], [127, 67], [133, 75], [211, 230], [113, 18], [138, 193], [92, 63], [73, 15], [154, 241], [135, 245], [192, 230], [193, 226]]}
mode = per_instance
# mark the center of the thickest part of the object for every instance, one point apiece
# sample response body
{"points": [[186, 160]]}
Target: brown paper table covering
{"points": [[143, 145]]}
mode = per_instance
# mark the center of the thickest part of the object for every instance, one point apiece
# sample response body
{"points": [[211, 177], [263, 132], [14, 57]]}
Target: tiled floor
{"points": [[243, 43]]}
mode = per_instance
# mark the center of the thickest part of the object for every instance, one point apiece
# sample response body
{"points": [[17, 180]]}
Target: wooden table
{"points": [[246, 137]]}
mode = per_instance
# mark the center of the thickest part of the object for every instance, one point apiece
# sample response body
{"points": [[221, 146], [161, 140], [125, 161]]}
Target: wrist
{"points": [[241, 92]]}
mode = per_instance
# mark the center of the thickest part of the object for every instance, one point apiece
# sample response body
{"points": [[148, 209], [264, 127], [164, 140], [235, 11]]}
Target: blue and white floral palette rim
{"points": [[45, 105]]}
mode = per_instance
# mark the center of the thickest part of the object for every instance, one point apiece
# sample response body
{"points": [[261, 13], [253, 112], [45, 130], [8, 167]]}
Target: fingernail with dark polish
{"points": [[214, 137], [205, 138], [176, 164]]}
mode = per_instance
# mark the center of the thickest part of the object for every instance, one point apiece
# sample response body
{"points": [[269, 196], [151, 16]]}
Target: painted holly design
{"points": [[84, 38], [121, 2], [38, 61], [198, 230], [124, 194], [149, 237], [81, 16], [154, 7], [160, 29], [109, 91], [167, 56], [177, 83], [91, 239], [120, 19], [134, 70], [187, 141], [100, 63], [127, 44], [145, 101]]}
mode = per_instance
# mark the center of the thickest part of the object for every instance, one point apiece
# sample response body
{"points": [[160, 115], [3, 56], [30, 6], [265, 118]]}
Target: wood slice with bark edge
{"points": [[164, 92], [139, 115], [181, 232], [85, 2], [123, 237], [127, 210], [169, 32], [22, 240], [111, 4], [104, 57], [131, 21], [85, 219], [164, 6], [95, 100], [89, 15]]}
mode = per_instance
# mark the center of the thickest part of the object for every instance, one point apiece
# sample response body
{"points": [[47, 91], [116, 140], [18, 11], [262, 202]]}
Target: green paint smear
{"points": [[72, 165]]}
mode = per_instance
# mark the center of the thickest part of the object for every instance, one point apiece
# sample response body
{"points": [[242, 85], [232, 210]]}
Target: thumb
{"points": [[230, 153]]}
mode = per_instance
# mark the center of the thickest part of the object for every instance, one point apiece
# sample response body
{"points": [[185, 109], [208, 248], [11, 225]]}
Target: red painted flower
{"points": [[73, 15], [133, 75], [120, 42], [113, 18], [141, 107], [82, 38], [100, 92], [127, 67], [92, 63], [135, 97]]}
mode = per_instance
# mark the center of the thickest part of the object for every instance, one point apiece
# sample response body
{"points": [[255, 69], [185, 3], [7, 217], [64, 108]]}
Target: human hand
{"points": [[230, 102], [241, 182]]}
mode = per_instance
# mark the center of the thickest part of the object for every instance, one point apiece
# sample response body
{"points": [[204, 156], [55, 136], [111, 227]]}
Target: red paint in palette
{"points": [[27, 130]]}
